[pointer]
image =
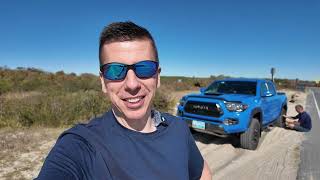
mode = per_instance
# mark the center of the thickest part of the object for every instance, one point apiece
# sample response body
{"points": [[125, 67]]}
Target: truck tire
{"points": [[250, 138], [280, 122]]}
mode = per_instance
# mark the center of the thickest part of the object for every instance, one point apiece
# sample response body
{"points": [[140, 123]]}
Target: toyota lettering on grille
{"points": [[200, 107], [203, 108]]}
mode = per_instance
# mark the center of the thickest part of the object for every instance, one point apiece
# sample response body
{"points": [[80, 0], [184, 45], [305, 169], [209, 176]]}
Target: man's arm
{"points": [[294, 121], [291, 117], [63, 160], [206, 173], [198, 168]]}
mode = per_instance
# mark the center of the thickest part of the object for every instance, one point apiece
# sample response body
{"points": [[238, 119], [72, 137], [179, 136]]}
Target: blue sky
{"points": [[194, 38]]}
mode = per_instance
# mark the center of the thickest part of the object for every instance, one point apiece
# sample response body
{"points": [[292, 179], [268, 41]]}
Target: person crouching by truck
{"points": [[301, 122]]}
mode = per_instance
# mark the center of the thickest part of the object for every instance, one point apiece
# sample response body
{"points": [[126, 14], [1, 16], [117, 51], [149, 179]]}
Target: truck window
{"points": [[264, 88], [271, 88], [232, 87]]}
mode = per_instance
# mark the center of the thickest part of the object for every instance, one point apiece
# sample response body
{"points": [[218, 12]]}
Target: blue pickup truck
{"points": [[239, 107]]}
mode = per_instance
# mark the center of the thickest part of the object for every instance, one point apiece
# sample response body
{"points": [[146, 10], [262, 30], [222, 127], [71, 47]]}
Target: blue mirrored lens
{"points": [[115, 72], [146, 69]]}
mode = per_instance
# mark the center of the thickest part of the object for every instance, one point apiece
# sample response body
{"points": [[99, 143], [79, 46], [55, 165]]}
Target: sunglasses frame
{"points": [[128, 67]]}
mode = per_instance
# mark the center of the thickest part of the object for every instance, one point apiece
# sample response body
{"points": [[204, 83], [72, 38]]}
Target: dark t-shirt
{"points": [[104, 149], [304, 119]]}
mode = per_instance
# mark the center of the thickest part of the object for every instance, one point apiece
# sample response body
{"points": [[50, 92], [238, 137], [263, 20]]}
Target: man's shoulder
{"points": [[87, 132], [100, 121], [307, 115], [97, 125], [304, 114], [174, 120], [169, 117], [75, 151]]}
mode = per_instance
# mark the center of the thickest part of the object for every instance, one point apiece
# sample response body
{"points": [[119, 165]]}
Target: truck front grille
{"points": [[203, 108]]}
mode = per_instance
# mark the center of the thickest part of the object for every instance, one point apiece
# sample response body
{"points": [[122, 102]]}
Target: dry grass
{"points": [[22, 151], [20, 95]]}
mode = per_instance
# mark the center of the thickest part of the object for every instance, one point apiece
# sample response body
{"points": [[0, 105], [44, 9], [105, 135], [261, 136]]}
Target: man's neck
{"points": [[144, 125]]}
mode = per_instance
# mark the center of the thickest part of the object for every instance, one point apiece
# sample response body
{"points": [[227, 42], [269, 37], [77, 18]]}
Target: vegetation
{"points": [[48, 109], [32, 97]]}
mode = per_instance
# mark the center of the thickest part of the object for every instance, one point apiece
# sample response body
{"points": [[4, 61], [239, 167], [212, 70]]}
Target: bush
{"points": [[52, 109], [63, 109], [5, 86], [163, 101]]}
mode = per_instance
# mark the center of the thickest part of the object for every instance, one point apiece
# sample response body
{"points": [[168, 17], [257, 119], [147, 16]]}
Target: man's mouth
{"points": [[133, 100]]}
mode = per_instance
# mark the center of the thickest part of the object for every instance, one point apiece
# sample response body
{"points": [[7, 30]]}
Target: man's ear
{"points": [[158, 83], [103, 84]]}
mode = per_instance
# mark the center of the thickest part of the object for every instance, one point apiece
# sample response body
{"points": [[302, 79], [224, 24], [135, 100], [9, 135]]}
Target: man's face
{"points": [[299, 109], [132, 97]]}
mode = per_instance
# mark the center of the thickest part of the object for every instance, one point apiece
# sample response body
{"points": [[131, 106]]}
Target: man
{"points": [[132, 140], [300, 122]]}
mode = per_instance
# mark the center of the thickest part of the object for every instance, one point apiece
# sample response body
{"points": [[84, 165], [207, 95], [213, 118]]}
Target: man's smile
{"points": [[134, 102], [134, 99]]}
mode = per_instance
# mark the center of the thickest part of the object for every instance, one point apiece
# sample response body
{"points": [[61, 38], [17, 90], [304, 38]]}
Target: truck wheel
{"points": [[250, 138], [280, 122]]}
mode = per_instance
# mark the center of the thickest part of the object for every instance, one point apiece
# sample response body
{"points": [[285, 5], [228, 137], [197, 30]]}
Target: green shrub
{"points": [[52, 109], [5, 86], [163, 101], [62, 108]]}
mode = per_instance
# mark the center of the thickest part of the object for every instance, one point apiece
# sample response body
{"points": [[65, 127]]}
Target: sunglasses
{"points": [[118, 71]]}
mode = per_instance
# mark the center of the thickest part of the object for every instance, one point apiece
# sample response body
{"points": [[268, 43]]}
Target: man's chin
{"points": [[131, 114], [135, 115]]}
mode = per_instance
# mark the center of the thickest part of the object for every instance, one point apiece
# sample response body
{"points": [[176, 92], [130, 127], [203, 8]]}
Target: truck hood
{"points": [[236, 97], [225, 97]]}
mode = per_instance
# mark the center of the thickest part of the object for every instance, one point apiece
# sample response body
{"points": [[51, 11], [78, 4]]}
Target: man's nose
{"points": [[132, 82]]}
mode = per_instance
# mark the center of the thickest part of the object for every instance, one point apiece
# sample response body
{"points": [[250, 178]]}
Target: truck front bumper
{"points": [[209, 129]]}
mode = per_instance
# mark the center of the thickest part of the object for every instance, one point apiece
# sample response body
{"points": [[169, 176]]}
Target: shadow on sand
{"points": [[211, 139]]}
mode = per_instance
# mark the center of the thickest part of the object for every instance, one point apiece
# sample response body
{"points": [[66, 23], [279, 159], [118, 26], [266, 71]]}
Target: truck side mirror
{"points": [[266, 94], [202, 90]]}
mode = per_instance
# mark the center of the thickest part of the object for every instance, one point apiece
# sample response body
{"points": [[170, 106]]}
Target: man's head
{"points": [[124, 44], [125, 31], [299, 108]]}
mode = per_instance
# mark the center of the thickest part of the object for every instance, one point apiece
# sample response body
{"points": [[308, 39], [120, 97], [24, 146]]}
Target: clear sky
{"points": [[194, 38]]}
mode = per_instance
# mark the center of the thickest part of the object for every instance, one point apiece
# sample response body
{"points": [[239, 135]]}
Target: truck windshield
{"points": [[232, 87]]}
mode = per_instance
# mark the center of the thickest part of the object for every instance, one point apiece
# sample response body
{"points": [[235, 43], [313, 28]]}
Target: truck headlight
{"points": [[235, 106]]}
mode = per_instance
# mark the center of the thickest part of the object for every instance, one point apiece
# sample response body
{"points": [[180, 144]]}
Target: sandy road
{"points": [[276, 158], [310, 150]]}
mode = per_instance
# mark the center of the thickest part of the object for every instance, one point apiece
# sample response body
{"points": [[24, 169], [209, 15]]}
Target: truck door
{"points": [[267, 100], [276, 101]]}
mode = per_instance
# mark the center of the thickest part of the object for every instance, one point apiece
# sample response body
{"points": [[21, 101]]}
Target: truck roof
{"points": [[243, 79]]}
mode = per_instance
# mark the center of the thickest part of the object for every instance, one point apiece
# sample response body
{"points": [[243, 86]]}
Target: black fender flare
{"points": [[254, 112], [284, 106]]}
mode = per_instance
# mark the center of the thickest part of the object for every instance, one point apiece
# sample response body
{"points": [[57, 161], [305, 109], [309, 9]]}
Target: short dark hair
{"points": [[299, 106], [124, 31]]}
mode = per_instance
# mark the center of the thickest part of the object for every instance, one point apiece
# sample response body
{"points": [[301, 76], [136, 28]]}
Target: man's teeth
{"points": [[133, 100]]}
